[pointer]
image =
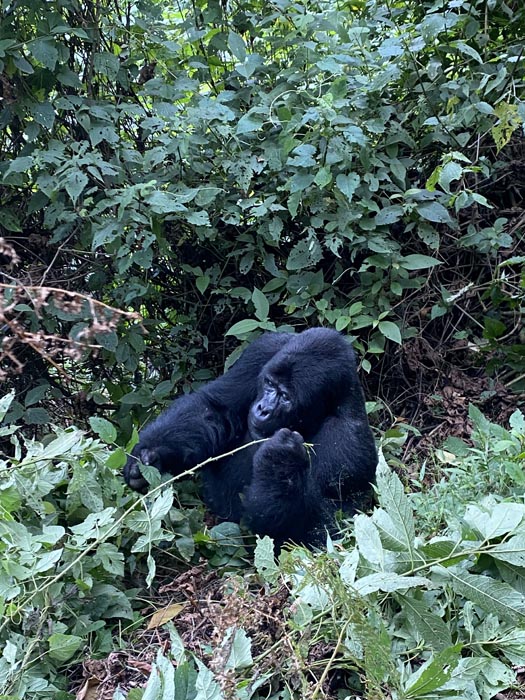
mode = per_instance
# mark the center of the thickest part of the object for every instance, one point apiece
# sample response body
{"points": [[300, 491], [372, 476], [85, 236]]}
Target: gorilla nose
{"points": [[262, 411]]}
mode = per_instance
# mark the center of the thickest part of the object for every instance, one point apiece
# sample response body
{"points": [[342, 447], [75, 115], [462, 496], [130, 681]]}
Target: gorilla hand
{"points": [[282, 459], [132, 474]]}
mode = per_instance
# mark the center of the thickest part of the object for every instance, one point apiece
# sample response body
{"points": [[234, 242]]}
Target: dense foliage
{"points": [[222, 168], [419, 601], [176, 178]]}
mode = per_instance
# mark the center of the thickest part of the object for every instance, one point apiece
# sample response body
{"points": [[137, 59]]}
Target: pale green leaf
{"points": [[264, 560], [75, 184], [389, 215], [63, 646], [429, 627], [237, 46], [240, 649], [202, 283], [242, 327], [435, 212], [511, 551], [491, 595], [206, 686], [433, 674], [368, 540], [417, 261], [388, 582], [393, 499], [391, 331], [449, 172], [104, 429], [348, 184], [5, 402], [261, 304]]}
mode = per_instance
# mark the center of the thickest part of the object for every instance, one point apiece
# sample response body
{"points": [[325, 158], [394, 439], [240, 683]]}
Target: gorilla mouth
{"points": [[258, 430]]}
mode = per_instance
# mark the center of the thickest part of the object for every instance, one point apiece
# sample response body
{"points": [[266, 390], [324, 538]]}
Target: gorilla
{"points": [[289, 389]]}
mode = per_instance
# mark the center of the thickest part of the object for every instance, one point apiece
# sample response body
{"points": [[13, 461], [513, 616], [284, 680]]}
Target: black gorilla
{"points": [[288, 388]]}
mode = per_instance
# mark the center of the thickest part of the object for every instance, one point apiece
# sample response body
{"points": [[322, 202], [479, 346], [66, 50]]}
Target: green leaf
{"points": [[202, 283], [108, 340], [418, 262], [23, 65], [391, 47], [368, 540], [517, 422], [264, 560], [107, 64], [323, 177], [36, 416], [250, 65], [46, 561], [206, 686], [117, 459], [162, 504], [63, 646], [237, 46], [388, 582], [5, 402], [63, 444], [43, 114], [248, 123], [161, 682], [198, 218], [429, 627], [393, 499], [261, 304], [240, 649], [75, 184], [467, 50], [450, 171], [499, 520], [242, 327], [389, 215], [511, 551], [104, 429], [493, 596], [165, 203], [305, 253], [390, 330], [433, 674], [19, 165], [35, 395], [348, 184], [436, 212]]}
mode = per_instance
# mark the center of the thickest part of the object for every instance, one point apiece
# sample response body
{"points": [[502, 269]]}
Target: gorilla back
{"points": [[290, 389]]}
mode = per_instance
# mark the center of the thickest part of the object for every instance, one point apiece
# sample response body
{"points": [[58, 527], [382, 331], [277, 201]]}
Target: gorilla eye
{"points": [[285, 396]]}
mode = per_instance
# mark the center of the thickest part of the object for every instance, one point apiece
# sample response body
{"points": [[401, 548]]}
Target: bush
{"points": [[227, 169]]}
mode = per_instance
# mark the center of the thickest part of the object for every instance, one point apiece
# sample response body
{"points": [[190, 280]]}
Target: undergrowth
{"points": [[422, 598]]}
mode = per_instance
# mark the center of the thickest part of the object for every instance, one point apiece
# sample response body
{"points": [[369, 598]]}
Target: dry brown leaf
{"points": [[160, 617], [142, 666], [89, 690]]}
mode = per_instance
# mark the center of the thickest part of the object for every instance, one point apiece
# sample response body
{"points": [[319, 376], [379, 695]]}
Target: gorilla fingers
{"points": [[133, 475]]}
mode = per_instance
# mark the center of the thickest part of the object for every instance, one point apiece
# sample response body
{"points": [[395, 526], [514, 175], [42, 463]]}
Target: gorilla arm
{"points": [[206, 423], [282, 500]]}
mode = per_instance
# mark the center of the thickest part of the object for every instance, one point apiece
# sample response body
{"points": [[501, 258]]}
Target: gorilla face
{"points": [[272, 409]]}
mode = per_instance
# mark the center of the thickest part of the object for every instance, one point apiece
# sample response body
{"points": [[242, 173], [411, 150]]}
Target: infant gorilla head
{"points": [[290, 389]]}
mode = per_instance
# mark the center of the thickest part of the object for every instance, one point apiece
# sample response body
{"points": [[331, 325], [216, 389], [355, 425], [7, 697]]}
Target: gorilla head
{"points": [[302, 384]]}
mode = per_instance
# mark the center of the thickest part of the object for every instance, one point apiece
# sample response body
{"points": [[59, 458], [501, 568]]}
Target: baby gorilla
{"points": [[305, 389]]}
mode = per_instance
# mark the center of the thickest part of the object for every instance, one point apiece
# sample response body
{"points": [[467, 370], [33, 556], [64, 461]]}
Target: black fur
{"points": [[292, 389]]}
